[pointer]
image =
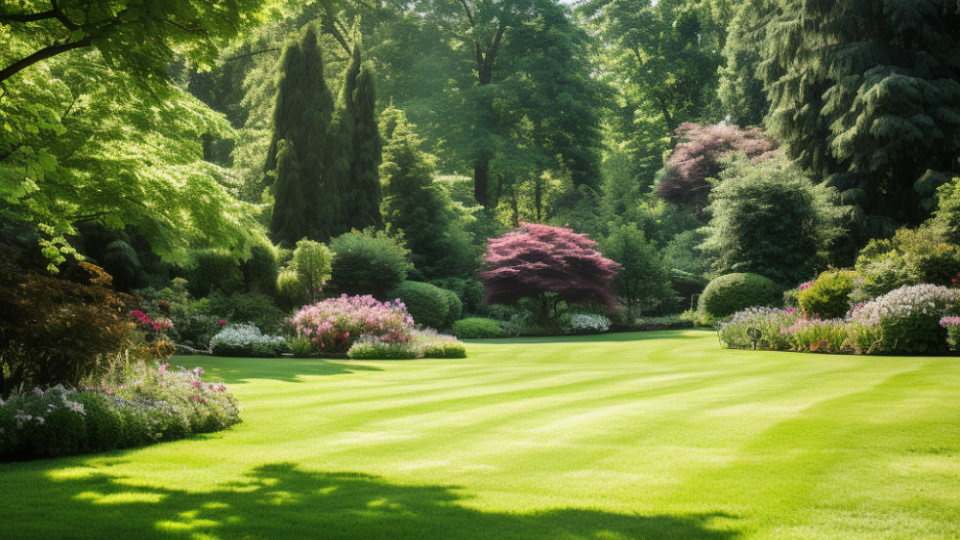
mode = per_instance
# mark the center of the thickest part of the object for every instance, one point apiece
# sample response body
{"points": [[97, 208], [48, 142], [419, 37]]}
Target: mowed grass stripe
{"points": [[641, 436]]}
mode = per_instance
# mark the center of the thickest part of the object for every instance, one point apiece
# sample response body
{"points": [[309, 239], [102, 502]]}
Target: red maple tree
{"points": [[535, 260]]}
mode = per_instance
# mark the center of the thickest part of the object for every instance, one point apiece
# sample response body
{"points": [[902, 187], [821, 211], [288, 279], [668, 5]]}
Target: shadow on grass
{"points": [[281, 501], [612, 337], [286, 369]]}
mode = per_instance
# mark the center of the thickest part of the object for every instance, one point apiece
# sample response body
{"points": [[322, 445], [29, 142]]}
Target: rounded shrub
{"points": [[476, 328], [454, 308], [828, 296], [368, 262], [731, 293], [427, 304], [212, 270]]}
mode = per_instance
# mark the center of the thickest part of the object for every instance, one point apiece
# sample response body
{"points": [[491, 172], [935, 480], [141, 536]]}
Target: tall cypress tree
{"points": [[367, 153], [302, 118], [362, 146]]}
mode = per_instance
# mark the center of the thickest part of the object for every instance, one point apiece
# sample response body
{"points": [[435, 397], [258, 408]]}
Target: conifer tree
{"points": [[305, 205], [360, 180], [866, 94]]}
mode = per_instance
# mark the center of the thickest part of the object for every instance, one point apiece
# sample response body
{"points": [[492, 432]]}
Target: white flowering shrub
{"points": [[905, 320], [587, 324], [246, 340]]}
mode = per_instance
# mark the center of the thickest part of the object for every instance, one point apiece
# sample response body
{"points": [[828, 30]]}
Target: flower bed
{"points": [[333, 325], [133, 404]]}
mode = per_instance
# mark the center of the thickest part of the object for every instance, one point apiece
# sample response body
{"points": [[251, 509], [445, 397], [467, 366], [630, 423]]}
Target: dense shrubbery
{"points": [[247, 340], [212, 270], [192, 323], [731, 293], [829, 296], [908, 320], [256, 309], [55, 331], [476, 328], [368, 263], [302, 279], [333, 325], [133, 404], [428, 305]]}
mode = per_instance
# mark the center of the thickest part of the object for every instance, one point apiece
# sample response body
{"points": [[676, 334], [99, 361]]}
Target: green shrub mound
{"points": [[256, 309], [427, 304], [476, 328], [828, 297], [376, 349], [454, 308], [731, 293]]}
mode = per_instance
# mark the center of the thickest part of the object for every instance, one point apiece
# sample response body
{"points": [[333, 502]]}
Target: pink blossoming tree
{"points": [[552, 263]]}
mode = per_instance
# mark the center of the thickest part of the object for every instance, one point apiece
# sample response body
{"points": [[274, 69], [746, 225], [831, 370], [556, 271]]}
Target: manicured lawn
{"points": [[626, 436]]}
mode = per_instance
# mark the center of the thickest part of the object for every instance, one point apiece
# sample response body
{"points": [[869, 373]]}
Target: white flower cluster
{"points": [[587, 324], [242, 334], [903, 303]]}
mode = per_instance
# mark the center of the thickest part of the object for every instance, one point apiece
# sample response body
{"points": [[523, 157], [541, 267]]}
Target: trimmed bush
{"points": [[731, 293], [828, 296], [211, 270], [246, 340], [454, 308], [428, 305], [476, 328], [368, 263]]}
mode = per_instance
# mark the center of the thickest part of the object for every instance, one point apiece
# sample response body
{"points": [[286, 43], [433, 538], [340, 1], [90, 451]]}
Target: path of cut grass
{"points": [[629, 436]]}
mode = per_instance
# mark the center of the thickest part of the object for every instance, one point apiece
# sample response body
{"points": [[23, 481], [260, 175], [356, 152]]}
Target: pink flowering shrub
{"points": [[333, 325], [132, 404], [952, 324]]}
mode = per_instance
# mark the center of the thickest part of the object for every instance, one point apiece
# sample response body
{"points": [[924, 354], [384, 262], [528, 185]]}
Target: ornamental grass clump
{"points": [[333, 325], [815, 335], [431, 344], [246, 340], [905, 320]]}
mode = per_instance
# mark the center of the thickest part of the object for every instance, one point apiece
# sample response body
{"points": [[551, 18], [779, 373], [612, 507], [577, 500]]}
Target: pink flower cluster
{"points": [[805, 286], [947, 322], [335, 323], [160, 325]]}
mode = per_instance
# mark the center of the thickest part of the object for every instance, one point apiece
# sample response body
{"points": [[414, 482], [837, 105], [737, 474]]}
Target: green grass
{"points": [[625, 436]]}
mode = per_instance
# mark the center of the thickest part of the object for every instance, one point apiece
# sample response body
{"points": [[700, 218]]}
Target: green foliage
{"points": [[213, 270], [300, 347], [303, 278], [121, 262], [302, 154], [731, 293], [360, 120], [866, 94], [907, 320], [130, 404], [469, 291], [454, 308], [376, 349], [643, 278], [428, 305], [368, 262], [54, 331], [430, 344], [771, 220], [261, 269], [243, 340], [192, 325], [741, 89], [256, 309], [476, 328], [829, 296], [433, 226]]}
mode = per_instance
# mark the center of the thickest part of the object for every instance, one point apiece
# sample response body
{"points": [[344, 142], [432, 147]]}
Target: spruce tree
{"points": [[866, 94], [303, 117]]}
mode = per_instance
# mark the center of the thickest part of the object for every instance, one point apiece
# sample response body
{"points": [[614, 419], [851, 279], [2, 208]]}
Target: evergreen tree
{"points": [[415, 205], [306, 204], [361, 136], [866, 94]]}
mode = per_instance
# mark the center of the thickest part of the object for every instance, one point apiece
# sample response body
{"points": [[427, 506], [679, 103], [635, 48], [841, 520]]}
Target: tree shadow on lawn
{"points": [[281, 501], [285, 369], [612, 337]]}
